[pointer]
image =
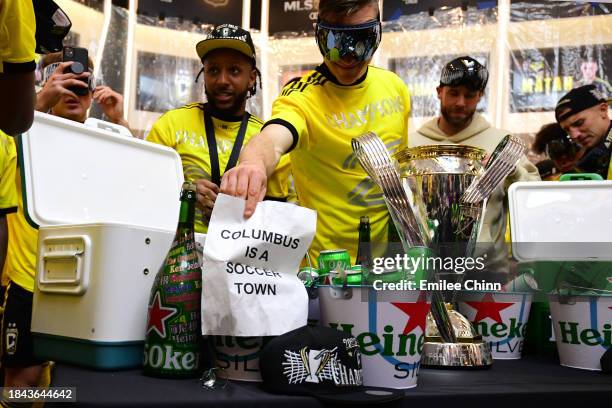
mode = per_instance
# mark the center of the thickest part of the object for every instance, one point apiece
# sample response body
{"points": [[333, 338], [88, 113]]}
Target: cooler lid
{"points": [[568, 220], [75, 174]]}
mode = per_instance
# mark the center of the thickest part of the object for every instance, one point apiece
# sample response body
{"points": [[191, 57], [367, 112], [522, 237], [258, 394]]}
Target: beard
{"points": [[456, 121], [233, 109]]}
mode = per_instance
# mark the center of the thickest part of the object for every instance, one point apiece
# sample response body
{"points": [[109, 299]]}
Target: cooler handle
{"points": [[580, 176], [63, 265]]}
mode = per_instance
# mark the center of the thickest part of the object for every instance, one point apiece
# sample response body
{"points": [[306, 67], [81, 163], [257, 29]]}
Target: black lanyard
{"points": [[215, 174]]}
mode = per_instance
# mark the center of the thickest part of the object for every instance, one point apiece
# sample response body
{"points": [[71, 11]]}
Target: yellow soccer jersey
{"points": [[17, 41], [20, 265], [278, 182], [183, 130], [323, 118], [8, 167]]}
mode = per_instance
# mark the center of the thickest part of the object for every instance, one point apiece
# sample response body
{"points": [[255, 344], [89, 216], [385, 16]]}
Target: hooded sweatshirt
{"points": [[481, 134]]}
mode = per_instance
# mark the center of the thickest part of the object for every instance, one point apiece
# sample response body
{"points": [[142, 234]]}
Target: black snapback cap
{"points": [[577, 100], [227, 36], [322, 362]]}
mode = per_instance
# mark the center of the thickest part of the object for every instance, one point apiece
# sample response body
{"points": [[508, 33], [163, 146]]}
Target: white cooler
{"points": [[107, 208]]}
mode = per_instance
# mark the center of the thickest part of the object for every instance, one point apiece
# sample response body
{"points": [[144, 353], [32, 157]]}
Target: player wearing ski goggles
{"points": [[359, 41]]}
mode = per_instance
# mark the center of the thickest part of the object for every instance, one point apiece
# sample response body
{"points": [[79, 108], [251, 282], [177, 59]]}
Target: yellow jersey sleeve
{"points": [[161, 132], [8, 167], [17, 36], [287, 111]]}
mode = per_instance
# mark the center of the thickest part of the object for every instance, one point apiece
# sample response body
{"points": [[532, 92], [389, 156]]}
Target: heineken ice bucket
{"points": [[583, 329], [389, 326], [500, 318]]}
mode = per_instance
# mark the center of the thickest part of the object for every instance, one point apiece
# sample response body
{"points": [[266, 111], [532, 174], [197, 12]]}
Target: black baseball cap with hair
{"points": [[577, 100], [227, 36], [322, 362]]}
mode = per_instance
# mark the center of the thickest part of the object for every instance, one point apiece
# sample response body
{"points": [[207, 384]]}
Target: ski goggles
{"points": [[49, 69], [465, 71], [338, 41], [562, 147]]}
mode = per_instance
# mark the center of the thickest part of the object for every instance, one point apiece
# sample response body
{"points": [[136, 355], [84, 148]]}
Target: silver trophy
{"points": [[440, 203]]}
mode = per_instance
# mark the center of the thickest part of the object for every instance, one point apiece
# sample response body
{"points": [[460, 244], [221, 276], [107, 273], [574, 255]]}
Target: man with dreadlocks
{"points": [[209, 136]]}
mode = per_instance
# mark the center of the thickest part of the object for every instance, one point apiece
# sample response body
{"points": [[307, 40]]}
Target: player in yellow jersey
{"points": [[315, 119], [209, 136]]}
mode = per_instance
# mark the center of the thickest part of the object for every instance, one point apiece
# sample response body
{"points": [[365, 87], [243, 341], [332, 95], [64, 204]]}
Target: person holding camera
{"points": [[562, 151], [67, 93]]}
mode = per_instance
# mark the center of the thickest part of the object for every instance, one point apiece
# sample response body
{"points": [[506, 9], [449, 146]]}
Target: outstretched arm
{"points": [[257, 161]]}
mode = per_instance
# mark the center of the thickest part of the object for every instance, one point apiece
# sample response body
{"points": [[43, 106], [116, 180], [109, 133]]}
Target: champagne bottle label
{"points": [[172, 345]]}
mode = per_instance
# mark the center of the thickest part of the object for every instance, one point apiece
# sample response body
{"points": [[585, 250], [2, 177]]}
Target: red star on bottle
{"points": [[417, 313], [158, 315], [488, 308]]}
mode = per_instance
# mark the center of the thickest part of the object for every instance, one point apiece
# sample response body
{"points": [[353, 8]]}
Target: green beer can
{"points": [[330, 260], [308, 276]]}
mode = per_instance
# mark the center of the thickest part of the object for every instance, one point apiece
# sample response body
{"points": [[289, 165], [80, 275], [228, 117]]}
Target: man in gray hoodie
{"points": [[462, 84]]}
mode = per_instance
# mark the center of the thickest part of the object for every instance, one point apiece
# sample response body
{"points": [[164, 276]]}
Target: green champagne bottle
{"points": [[173, 338], [364, 248]]}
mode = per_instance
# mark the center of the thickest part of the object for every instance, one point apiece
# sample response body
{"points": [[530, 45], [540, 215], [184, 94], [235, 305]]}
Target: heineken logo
{"points": [[417, 314], [239, 353], [570, 333], [158, 315], [393, 342], [488, 308], [505, 336], [167, 358]]}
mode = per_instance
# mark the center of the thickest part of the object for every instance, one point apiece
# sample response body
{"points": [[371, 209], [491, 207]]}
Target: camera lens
{"points": [[69, 52], [77, 68]]}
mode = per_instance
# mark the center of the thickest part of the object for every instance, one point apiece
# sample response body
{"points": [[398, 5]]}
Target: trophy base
{"points": [[469, 355]]}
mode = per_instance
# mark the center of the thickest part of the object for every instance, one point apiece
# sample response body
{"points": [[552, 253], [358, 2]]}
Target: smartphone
{"points": [[80, 64]]}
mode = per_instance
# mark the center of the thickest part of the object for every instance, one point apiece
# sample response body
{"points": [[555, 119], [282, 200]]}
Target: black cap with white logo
{"points": [[322, 362], [577, 100], [227, 36]]}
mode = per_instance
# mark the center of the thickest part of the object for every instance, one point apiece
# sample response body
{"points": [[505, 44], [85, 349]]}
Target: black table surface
{"points": [[517, 383]]}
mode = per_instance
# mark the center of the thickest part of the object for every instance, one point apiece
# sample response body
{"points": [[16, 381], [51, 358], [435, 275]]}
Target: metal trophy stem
{"points": [[436, 199]]}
